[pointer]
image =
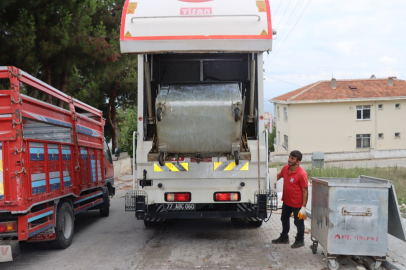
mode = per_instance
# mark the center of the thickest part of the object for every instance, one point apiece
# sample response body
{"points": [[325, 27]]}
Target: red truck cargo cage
{"points": [[53, 162]]}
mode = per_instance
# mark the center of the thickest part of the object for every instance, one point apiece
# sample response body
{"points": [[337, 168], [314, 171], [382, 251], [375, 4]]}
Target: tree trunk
{"points": [[48, 81], [64, 82], [111, 117], [115, 129]]}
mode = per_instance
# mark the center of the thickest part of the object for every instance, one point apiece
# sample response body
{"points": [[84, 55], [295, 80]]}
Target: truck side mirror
{"points": [[117, 153]]}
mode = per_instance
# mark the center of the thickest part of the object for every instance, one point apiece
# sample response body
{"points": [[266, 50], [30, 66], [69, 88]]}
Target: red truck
{"points": [[54, 164]]}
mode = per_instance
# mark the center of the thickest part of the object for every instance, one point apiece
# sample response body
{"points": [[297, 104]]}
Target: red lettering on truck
{"points": [[196, 11]]}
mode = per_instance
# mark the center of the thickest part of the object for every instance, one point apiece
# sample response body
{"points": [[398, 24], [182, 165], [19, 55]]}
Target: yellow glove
{"points": [[302, 213]]}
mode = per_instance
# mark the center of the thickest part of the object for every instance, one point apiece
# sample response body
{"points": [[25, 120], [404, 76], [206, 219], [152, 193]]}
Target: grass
{"points": [[395, 174]]}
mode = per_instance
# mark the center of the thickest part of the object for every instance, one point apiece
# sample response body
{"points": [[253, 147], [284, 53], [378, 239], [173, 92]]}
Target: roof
{"points": [[346, 89]]}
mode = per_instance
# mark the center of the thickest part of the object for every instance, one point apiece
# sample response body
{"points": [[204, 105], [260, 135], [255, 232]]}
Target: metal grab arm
{"points": [[134, 133], [267, 160], [197, 16]]}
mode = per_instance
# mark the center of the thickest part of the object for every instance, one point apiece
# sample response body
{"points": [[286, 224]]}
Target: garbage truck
{"points": [[54, 163], [201, 142]]}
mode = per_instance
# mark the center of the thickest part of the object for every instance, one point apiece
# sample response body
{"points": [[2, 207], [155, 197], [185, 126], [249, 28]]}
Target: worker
{"points": [[294, 197]]}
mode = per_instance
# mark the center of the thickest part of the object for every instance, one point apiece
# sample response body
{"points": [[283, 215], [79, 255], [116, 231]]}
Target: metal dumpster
{"points": [[350, 217], [199, 118]]}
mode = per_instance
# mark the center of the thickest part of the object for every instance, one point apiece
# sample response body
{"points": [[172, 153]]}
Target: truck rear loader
{"points": [[201, 140]]}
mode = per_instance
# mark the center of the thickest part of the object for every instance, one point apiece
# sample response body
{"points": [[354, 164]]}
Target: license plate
{"points": [[46, 235], [5, 254], [180, 206]]}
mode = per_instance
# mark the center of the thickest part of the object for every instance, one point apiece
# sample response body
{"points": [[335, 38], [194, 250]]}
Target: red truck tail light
{"points": [[10, 226], [178, 197], [226, 196]]}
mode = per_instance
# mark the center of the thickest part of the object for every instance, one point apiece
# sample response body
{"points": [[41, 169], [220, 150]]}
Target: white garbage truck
{"points": [[201, 140]]}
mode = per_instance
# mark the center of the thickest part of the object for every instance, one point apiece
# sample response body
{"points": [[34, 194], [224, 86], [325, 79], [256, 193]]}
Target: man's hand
{"points": [[302, 213]]}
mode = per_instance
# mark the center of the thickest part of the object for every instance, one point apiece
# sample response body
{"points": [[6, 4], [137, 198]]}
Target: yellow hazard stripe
{"points": [[230, 166], [172, 167]]}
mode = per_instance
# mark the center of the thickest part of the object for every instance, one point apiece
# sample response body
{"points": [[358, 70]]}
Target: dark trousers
{"points": [[285, 218]]}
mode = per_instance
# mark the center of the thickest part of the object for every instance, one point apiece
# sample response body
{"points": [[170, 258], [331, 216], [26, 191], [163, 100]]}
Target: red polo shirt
{"points": [[292, 186]]}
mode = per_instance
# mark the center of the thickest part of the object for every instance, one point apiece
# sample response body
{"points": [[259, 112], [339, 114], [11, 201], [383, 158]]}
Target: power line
{"points": [[282, 81], [289, 32], [287, 23], [274, 16], [284, 13]]}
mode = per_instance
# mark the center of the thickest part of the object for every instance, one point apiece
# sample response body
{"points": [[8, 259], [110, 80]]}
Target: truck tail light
{"points": [[226, 196], [178, 197], [10, 226]]}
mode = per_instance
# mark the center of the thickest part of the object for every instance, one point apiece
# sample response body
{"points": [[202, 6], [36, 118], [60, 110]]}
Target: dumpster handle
{"points": [[367, 212]]}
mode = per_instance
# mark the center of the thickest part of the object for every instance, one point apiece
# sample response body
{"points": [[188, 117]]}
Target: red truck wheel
{"points": [[64, 226], [105, 210]]}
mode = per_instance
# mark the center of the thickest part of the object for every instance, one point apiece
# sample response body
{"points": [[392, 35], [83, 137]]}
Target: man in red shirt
{"points": [[294, 199]]}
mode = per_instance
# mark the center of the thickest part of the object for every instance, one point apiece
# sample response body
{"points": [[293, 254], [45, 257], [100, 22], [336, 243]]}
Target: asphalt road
{"points": [[121, 242]]}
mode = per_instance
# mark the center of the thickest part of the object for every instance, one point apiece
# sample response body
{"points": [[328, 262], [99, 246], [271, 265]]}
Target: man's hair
{"points": [[296, 154]]}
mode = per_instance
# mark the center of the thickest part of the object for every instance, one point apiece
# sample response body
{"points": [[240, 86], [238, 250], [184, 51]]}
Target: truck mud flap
{"points": [[9, 250]]}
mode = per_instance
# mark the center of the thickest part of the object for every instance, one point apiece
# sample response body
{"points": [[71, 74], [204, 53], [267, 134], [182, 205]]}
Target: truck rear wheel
{"points": [[255, 224], [151, 223], [105, 209], [64, 226]]}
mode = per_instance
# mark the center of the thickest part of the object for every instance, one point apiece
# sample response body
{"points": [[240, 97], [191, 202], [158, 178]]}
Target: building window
{"points": [[279, 137], [285, 142], [397, 106], [364, 112], [380, 135], [279, 114], [380, 106], [286, 113], [397, 135], [363, 140]]}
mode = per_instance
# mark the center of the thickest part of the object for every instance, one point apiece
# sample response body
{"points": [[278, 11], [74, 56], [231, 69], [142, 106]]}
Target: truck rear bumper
{"points": [[237, 210]]}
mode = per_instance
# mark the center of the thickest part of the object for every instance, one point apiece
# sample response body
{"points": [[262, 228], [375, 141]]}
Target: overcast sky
{"points": [[346, 39]]}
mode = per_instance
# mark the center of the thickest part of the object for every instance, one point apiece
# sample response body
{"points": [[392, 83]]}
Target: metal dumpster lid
{"points": [[361, 181], [395, 220]]}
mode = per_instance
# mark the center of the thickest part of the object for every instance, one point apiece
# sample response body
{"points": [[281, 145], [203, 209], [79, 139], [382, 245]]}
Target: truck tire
{"points": [[64, 226], [255, 224], [151, 223], [105, 209], [237, 222]]}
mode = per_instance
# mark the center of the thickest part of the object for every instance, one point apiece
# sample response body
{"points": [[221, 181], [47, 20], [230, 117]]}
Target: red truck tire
{"points": [[64, 226]]}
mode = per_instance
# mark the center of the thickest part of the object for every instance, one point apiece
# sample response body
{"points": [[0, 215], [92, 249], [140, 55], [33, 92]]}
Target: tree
{"points": [[127, 125], [48, 39], [72, 45], [271, 139]]}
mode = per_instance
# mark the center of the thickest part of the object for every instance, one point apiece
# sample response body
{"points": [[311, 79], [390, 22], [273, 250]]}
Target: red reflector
{"points": [[227, 196], [6, 227], [177, 197]]}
